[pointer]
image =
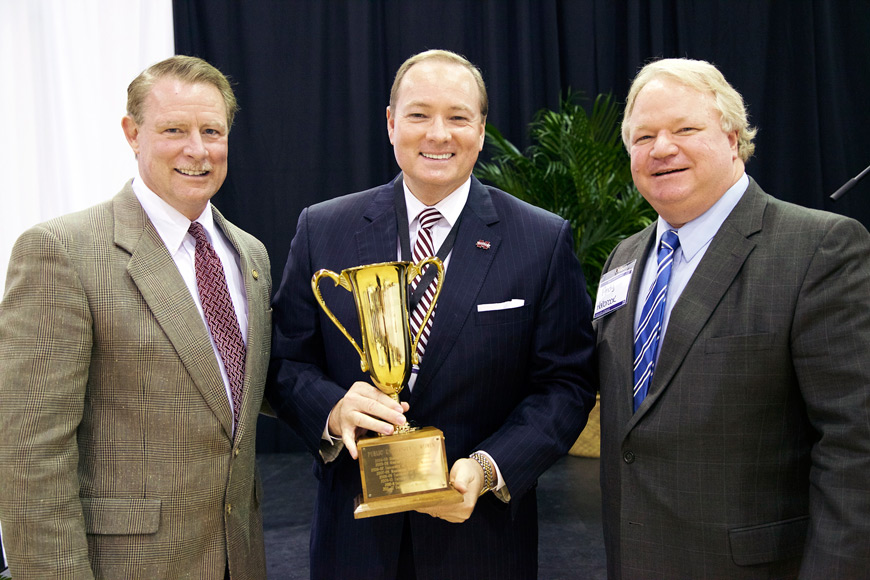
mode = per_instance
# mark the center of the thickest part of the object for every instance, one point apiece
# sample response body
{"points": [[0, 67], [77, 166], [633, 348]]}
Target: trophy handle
{"points": [[414, 271], [344, 282]]}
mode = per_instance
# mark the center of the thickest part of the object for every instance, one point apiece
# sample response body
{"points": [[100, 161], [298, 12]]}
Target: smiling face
{"points": [[682, 161], [182, 143], [436, 128]]}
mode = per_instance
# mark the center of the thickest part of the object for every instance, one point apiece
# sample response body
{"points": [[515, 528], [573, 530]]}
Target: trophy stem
{"points": [[399, 429]]}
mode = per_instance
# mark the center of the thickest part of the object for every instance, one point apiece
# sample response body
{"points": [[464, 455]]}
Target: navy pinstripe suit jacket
{"points": [[517, 383]]}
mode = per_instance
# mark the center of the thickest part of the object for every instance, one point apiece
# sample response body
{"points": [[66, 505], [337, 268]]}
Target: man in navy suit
{"points": [[507, 374]]}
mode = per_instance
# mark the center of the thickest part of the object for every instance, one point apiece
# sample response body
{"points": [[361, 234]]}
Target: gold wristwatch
{"points": [[488, 471]]}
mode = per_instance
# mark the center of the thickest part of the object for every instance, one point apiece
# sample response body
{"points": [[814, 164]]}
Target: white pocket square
{"points": [[515, 303]]}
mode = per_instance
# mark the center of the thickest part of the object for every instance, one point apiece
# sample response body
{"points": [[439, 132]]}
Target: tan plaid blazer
{"points": [[115, 429]]}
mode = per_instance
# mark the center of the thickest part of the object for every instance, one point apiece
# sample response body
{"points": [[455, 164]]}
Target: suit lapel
{"points": [[635, 249], [156, 276], [463, 280], [377, 240], [721, 264]]}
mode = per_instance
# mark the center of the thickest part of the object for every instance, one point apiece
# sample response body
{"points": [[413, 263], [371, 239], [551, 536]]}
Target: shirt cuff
{"points": [[330, 446]]}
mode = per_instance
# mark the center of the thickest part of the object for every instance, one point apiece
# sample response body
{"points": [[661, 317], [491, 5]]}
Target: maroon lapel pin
{"points": [[483, 244]]}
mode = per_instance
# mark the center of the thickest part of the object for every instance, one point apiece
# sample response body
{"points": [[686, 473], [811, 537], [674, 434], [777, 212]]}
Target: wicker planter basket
{"points": [[588, 444]]}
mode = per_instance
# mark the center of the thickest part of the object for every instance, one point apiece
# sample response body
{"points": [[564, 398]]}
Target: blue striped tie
{"points": [[646, 339]]}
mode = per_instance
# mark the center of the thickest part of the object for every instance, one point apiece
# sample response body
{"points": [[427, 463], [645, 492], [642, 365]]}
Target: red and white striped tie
{"points": [[423, 248]]}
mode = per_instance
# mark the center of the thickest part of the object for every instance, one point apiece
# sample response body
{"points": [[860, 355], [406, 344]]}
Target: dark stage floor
{"points": [[569, 506]]}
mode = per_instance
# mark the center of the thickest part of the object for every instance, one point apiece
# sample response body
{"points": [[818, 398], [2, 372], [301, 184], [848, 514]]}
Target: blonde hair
{"points": [[701, 76]]}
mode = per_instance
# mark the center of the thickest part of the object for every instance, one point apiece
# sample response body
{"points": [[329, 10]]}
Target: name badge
{"points": [[613, 290]]}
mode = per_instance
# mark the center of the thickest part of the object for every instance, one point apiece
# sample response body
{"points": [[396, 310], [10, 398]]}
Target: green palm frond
{"points": [[577, 168]]}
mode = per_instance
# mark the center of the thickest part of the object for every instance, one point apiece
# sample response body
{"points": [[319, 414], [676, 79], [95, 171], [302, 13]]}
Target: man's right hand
{"points": [[364, 408]]}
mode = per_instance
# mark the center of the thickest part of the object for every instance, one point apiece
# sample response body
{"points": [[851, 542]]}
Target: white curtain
{"points": [[64, 70]]}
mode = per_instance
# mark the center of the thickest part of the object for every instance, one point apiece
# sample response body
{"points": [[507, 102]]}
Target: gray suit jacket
{"points": [[750, 457], [117, 446]]}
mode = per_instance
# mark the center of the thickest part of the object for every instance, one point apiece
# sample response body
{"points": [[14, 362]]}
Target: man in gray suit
{"points": [[733, 340], [134, 342]]}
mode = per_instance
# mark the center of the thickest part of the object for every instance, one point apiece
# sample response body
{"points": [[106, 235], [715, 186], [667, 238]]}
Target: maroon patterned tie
{"points": [[220, 314], [423, 248]]}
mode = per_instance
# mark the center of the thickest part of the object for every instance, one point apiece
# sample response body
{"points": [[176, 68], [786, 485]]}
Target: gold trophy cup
{"points": [[408, 469]]}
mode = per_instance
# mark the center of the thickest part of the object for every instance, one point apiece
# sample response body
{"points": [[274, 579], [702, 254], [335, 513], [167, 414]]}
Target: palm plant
{"points": [[577, 168]]}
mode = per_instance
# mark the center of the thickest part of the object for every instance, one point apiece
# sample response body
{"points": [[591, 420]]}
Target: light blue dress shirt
{"points": [[695, 238]]}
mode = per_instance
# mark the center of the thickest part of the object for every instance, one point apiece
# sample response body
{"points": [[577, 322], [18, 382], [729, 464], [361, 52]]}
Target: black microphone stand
{"points": [[849, 184]]}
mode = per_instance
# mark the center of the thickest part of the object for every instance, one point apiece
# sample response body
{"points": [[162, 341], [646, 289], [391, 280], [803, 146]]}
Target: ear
{"points": [[733, 141], [131, 132], [391, 124], [482, 138]]}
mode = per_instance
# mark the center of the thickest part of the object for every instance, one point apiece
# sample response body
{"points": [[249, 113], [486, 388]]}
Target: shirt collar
{"points": [[450, 207], [697, 233], [170, 223]]}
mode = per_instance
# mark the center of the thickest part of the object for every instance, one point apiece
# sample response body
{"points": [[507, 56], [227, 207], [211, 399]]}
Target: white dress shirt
{"points": [[450, 207], [172, 227]]}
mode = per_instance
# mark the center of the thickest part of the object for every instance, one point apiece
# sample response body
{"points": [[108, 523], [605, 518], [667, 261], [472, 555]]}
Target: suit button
{"points": [[628, 457], [229, 508], [236, 452]]}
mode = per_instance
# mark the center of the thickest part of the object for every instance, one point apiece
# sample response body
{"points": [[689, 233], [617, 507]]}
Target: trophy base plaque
{"points": [[403, 472]]}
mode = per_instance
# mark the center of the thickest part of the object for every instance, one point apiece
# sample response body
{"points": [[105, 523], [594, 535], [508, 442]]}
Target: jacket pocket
{"points": [[740, 343], [121, 516], [768, 542], [504, 316]]}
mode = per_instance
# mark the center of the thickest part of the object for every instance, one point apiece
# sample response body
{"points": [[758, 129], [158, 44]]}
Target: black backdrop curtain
{"points": [[313, 77]]}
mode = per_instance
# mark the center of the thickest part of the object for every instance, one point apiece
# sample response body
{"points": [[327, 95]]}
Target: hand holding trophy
{"points": [[406, 470]]}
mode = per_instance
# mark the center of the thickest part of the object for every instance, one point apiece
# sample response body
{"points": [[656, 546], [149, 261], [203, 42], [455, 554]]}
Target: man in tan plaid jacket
{"points": [[122, 456]]}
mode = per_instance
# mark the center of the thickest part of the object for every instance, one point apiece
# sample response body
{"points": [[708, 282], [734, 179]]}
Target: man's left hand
{"points": [[466, 477]]}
